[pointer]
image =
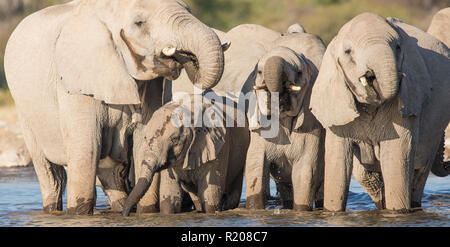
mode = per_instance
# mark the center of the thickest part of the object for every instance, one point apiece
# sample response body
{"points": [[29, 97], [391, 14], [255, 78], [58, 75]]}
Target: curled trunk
{"points": [[273, 74], [198, 49], [385, 70]]}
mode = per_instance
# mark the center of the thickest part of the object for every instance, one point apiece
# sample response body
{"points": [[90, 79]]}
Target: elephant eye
{"points": [[139, 23], [348, 51]]}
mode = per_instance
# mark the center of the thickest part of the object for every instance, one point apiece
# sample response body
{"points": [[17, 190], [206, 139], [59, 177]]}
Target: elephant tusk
{"points": [[402, 75], [169, 51], [226, 46], [136, 116], [363, 81], [259, 87], [294, 88]]}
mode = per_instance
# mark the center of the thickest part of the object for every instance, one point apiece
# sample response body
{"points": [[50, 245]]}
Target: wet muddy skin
{"points": [[20, 205]]}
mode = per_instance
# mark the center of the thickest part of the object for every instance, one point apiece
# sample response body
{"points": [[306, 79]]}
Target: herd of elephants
{"points": [[94, 81]]}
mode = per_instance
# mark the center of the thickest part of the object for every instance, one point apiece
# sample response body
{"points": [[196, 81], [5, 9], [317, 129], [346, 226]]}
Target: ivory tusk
{"points": [[295, 88], [225, 46], [363, 81], [136, 116], [402, 75], [259, 87], [169, 51]]}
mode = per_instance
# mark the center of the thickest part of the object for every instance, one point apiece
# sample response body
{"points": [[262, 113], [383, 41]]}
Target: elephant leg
{"points": [[52, 178], [234, 191], [338, 171], [302, 181], [371, 181], [424, 165], [81, 178], [112, 175], [192, 191], [171, 195], [211, 187], [257, 176], [83, 139], [418, 186], [396, 158], [285, 190], [149, 203], [307, 174], [211, 197]]}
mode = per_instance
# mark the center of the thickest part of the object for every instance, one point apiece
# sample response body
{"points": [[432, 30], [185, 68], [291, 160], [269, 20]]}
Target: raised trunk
{"points": [[198, 49], [273, 74]]}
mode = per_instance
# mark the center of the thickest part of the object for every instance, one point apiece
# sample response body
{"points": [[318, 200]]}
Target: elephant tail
{"points": [[441, 164]]}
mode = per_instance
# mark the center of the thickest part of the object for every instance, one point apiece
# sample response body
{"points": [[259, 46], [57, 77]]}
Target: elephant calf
{"points": [[294, 154], [203, 161]]}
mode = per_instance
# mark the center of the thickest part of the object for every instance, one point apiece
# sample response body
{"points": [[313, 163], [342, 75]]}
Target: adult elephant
{"points": [[380, 93], [84, 73]]}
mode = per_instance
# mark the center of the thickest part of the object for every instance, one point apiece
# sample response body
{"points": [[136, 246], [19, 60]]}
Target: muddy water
{"points": [[20, 205]]}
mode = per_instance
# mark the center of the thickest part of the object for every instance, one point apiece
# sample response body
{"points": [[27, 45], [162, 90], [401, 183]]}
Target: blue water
{"points": [[21, 205]]}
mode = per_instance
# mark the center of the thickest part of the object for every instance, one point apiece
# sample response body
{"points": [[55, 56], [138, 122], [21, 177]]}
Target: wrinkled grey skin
{"points": [[380, 93], [203, 162], [294, 158], [77, 70]]}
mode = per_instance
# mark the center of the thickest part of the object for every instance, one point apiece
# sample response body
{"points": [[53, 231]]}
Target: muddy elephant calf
{"points": [[205, 162]]}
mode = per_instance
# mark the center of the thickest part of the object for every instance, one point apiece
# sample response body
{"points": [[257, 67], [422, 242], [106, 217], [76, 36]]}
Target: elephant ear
{"points": [[88, 63], [415, 84], [205, 146], [332, 103]]}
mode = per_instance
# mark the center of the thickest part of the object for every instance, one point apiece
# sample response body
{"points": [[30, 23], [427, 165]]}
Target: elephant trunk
{"points": [[386, 81], [142, 185], [273, 74], [198, 49], [441, 164]]}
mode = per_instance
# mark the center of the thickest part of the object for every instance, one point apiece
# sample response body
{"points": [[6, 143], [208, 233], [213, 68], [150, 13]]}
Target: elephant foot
{"points": [[211, 209], [400, 211], [255, 202], [167, 206], [302, 207], [319, 203], [53, 207], [147, 209], [380, 205], [83, 207]]}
